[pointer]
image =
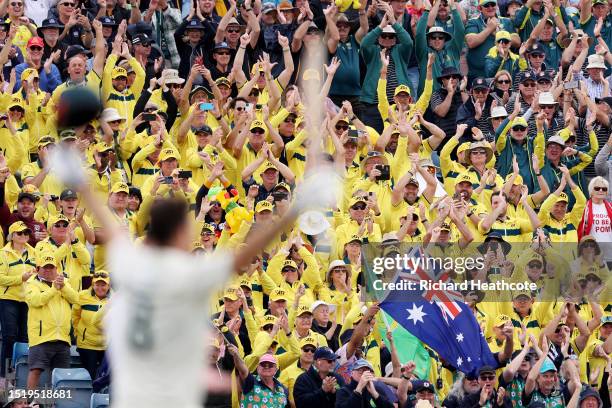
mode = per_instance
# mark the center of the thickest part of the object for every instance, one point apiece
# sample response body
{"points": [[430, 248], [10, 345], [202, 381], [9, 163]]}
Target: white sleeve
{"points": [[210, 272]]}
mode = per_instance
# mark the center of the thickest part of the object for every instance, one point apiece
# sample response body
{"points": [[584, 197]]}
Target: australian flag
{"points": [[440, 319]]}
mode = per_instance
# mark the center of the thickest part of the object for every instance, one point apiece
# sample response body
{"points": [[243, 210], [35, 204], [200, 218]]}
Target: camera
{"points": [[168, 180], [385, 172], [185, 174]]}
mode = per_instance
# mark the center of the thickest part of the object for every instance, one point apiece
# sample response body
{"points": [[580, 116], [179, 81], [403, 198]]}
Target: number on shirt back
{"points": [[140, 332]]}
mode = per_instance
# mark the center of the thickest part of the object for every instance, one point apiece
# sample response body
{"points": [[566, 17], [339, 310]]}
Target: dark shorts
{"points": [[49, 355]]}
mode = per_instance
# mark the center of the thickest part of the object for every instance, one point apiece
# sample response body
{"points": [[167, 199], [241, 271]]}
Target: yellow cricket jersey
{"points": [[12, 267], [87, 321], [49, 314], [564, 230], [124, 101]]}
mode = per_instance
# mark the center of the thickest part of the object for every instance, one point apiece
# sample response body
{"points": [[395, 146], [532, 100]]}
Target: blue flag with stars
{"points": [[455, 335]]}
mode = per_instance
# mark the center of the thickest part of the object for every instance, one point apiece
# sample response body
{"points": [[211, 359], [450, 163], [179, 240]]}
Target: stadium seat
{"points": [[78, 381], [20, 350], [75, 358], [100, 401], [20, 364]]}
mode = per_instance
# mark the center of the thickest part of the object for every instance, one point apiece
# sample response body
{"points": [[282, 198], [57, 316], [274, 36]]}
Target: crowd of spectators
{"points": [[449, 123]]}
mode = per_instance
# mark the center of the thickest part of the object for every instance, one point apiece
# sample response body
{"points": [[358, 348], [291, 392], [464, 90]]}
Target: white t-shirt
{"points": [[156, 323], [602, 230]]}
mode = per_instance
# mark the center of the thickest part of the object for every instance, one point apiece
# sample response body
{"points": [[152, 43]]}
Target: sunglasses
{"points": [[15, 4], [480, 90], [35, 48], [309, 350], [479, 151], [290, 120], [21, 233], [254, 92], [487, 377], [604, 189], [115, 121], [267, 364], [16, 109], [64, 4], [438, 37], [534, 265], [145, 44], [504, 81], [504, 41], [233, 30], [222, 53], [342, 127], [387, 36], [61, 225], [529, 84], [258, 131], [593, 279], [537, 55], [359, 207], [174, 86], [312, 31], [240, 108], [150, 110], [519, 128]]}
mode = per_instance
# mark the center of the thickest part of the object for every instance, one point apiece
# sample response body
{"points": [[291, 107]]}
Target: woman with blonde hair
{"points": [[597, 217]]}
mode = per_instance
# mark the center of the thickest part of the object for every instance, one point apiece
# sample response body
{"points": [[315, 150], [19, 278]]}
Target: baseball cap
{"points": [[231, 293], [325, 353], [45, 141], [46, 259], [267, 8], [303, 309], [500, 320], [263, 206], [480, 83], [520, 121], [103, 147], [503, 35], [267, 319], [120, 187], [267, 358], [562, 197], [361, 363], [221, 46], [289, 263], [57, 218], [207, 227], [101, 275], [607, 99], [202, 129], [67, 134], [257, 124], [486, 369], [401, 88], [29, 191], [278, 294], [547, 366], [37, 41], [557, 140], [526, 76], [141, 39], [68, 194], [74, 50], [308, 341], [119, 72], [29, 73], [536, 48], [18, 226], [167, 154], [422, 385]]}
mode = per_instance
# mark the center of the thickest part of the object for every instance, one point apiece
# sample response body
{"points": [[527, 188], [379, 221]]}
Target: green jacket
{"points": [[449, 56], [370, 50]]}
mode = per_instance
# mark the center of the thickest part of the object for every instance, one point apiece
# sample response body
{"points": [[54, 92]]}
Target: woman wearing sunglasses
{"points": [[502, 87], [597, 216], [500, 57], [17, 267]]}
